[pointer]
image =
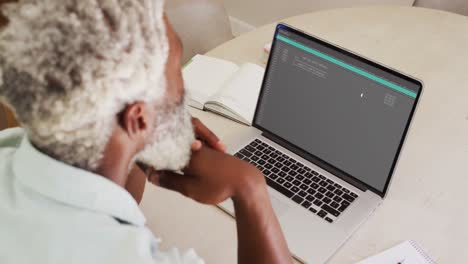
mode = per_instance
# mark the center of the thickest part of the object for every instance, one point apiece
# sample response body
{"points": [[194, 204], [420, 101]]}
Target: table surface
{"points": [[426, 201]]}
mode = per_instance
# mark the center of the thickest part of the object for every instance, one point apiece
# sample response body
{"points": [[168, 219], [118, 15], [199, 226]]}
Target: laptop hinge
{"points": [[325, 166]]}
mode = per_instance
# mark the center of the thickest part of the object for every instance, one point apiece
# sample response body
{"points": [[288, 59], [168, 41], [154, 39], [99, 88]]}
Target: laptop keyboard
{"points": [[303, 185]]}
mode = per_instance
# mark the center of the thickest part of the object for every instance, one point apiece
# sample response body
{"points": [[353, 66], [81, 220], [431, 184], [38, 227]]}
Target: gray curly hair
{"points": [[67, 67]]}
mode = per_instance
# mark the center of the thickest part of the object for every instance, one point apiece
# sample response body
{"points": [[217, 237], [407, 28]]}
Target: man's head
{"points": [[84, 76]]}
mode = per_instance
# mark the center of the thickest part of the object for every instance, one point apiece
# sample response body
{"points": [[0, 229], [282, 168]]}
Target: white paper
{"points": [[407, 252], [240, 92], [204, 76]]}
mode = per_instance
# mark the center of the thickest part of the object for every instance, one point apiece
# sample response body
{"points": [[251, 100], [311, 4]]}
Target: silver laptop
{"points": [[328, 129]]}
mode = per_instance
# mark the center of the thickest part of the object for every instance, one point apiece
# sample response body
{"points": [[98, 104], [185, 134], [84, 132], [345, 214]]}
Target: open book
{"points": [[223, 87]]}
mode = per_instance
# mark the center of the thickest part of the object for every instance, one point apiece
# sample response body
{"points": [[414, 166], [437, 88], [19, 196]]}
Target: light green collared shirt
{"points": [[51, 212]]}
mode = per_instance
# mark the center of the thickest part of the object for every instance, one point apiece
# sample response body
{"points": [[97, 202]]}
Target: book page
{"points": [[240, 93], [204, 76]]}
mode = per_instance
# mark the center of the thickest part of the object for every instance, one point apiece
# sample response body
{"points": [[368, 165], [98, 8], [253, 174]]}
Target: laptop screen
{"points": [[341, 109]]}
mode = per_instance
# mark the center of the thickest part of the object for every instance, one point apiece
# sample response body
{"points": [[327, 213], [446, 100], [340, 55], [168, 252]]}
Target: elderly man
{"points": [[96, 86]]}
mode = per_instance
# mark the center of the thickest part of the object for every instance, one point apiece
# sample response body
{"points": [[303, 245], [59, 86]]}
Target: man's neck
{"points": [[116, 172], [116, 161], [117, 169]]}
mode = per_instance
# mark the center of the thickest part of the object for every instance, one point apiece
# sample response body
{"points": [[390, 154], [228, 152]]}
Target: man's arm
{"points": [[260, 239], [213, 177]]}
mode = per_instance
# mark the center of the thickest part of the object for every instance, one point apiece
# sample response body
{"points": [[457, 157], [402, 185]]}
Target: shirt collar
{"points": [[74, 186]]}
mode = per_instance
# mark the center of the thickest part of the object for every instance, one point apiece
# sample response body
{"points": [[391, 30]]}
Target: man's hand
{"points": [[212, 177], [138, 175], [205, 136]]}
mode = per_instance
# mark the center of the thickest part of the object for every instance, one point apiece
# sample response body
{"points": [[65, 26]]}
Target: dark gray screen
{"points": [[327, 105]]}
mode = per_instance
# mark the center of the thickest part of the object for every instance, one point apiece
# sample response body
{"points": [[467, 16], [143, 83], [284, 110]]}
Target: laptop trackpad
{"points": [[279, 206]]}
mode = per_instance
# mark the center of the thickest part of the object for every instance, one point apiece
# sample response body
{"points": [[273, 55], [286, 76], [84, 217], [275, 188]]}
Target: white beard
{"points": [[169, 147]]}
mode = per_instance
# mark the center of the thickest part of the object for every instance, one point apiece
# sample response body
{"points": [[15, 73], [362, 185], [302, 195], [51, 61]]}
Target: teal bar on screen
{"points": [[348, 67]]}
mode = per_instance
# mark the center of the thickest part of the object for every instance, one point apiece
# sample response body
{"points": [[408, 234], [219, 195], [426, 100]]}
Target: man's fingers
{"points": [[221, 147], [205, 134], [201, 129], [196, 145]]}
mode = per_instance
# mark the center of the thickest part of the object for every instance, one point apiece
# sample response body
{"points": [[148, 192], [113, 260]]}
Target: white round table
{"points": [[427, 198]]}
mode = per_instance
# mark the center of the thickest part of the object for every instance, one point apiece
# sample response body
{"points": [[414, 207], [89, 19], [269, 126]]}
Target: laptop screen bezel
{"points": [[316, 160]]}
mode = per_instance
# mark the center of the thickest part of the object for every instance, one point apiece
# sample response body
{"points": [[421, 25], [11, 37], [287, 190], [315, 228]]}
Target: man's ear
{"points": [[136, 121]]}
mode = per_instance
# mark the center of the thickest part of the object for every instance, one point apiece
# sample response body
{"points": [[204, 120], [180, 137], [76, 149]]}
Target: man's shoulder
{"points": [[11, 138]]}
